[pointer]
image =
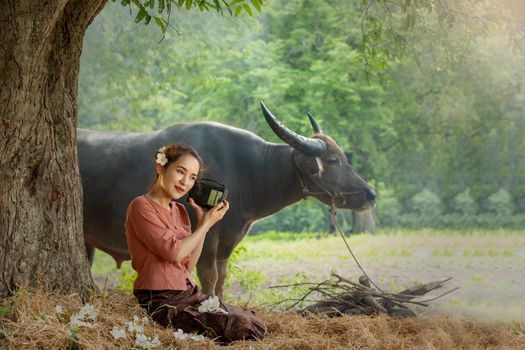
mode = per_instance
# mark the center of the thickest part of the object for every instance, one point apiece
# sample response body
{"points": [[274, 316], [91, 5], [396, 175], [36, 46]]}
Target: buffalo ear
{"points": [[309, 165]]}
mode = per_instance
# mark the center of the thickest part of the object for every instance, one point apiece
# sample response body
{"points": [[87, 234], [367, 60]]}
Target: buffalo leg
{"points": [[207, 266], [207, 272], [225, 249], [222, 269]]}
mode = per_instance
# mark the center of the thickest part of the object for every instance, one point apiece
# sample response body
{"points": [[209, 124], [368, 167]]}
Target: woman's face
{"points": [[179, 177]]}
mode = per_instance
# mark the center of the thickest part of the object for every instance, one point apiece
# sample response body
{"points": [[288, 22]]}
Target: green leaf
{"points": [[188, 4], [248, 9], [162, 4], [227, 6], [237, 11], [141, 15], [161, 23], [217, 6], [256, 4]]}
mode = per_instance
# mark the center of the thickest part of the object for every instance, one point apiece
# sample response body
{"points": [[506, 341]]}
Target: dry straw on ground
{"points": [[28, 321]]}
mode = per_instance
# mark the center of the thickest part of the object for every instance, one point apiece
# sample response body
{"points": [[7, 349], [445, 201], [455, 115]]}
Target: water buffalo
{"points": [[262, 178]]}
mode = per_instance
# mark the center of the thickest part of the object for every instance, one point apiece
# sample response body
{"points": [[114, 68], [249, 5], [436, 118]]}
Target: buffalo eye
{"points": [[333, 161]]}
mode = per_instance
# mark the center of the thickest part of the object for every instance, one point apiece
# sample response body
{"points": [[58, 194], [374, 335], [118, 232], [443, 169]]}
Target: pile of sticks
{"points": [[340, 296]]}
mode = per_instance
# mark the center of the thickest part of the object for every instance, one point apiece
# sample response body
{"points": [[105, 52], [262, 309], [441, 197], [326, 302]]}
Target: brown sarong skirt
{"points": [[178, 309]]}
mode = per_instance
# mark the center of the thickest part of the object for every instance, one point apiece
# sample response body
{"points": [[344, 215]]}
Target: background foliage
{"points": [[432, 108]]}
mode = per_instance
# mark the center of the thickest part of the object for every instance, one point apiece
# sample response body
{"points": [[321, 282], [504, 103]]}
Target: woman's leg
{"points": [[179, 309]]}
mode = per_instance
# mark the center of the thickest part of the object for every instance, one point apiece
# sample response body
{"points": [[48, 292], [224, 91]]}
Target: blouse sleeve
{"points": [[152, 231]]}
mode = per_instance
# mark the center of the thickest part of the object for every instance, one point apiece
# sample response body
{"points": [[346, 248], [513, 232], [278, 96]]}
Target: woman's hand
{"points": [[199, 212], [216, 213]]}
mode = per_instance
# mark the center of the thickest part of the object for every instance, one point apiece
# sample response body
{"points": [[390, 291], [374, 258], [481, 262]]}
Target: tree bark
{"points": [[41, 238], [363, 221]]}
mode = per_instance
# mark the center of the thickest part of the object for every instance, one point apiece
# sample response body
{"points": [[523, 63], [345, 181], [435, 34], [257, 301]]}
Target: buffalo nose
{"points": [[370, 195]]}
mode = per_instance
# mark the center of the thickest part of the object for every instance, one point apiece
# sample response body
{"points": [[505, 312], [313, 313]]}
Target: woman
{"points": [[164, 252]]}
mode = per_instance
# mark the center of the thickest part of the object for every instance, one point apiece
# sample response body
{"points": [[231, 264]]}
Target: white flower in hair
{"points": [[161, 159], [162, 149]]}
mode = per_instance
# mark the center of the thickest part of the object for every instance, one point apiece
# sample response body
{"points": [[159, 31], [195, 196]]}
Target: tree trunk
{"points": [[41, 238], [363, 221]]}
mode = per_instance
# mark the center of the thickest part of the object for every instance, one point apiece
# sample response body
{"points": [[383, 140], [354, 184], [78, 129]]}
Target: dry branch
{"points": [[341, 296]]}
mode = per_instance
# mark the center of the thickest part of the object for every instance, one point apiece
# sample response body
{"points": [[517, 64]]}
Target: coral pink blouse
{"points": [[154, 234]]}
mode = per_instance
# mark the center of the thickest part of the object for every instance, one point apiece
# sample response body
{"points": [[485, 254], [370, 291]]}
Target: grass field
{"points": [[487, 266]]}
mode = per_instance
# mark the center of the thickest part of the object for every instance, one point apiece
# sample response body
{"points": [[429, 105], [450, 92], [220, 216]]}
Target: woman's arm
{"points": [[191, 244], [196, 240], [195, 255]]}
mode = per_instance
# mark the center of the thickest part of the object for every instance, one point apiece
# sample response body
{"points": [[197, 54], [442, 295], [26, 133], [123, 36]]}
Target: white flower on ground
{"points": [[134, 328], [155, 342], [118, 333], [212, 304], [137, 325], [180, 335], [83, 317], [145, 342], [76, 321], [141, 340], [197, 337], [88, 312], [59, 309]]}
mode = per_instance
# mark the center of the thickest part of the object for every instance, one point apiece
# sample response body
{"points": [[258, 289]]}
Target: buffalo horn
{"points": [[315, 126], [310, 146]]}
